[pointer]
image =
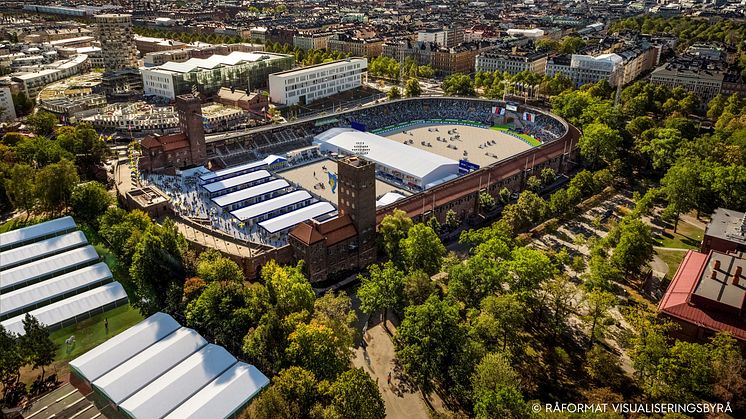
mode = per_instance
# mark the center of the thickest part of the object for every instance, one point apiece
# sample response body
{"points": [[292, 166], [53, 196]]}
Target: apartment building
{"points": [[583, 69], [308, 84], [306, 41], [7, 110], [512, 62], [356, 47], [705, 80], [117, 41]]}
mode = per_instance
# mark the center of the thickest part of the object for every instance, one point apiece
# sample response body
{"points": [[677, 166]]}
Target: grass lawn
{"points": [[687, 236], [672, 258], [21, 221], [527, 138], [91, 332]]}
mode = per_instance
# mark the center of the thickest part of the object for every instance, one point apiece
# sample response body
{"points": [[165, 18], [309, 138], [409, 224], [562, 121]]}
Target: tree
{"points": [[42, 123], [289, 291], [451, 219], [35, 346], [382, 289], [635, 246], [394, 93], [355, 395], [660, 146], [729, 369], [533, 183], [507, 402], [527, 211], [20, 187], [271, 404], [54, 185], [598, 304], [315, 347], [85, 144], [571, 45], [599, 144], [602, 274], [393, 228], [560, 299], [458, 85], [298, 387], [426, 71], [89, 201], [501, 319], [486, 201], [212, 266], [157, 270], [493, 373], [504, 195], [335, 311], [412, 88], [548, 175], [10, 360], [680, 188], [422, 250], [224, 312], [429, 340], [22, 103], [418, 287]]}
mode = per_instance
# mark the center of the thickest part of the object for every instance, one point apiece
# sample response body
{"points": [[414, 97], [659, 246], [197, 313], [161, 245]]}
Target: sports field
{"points": [[479, 144]]}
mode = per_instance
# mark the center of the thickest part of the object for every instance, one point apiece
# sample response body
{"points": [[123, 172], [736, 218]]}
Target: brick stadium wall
{"points": [[461, 194]]}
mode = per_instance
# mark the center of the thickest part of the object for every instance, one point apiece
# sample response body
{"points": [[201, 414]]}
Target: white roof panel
{"points": [[28, 234], [292, 218], [250, 193], [32, 272], [235, 169], [395, 155], [105, 357], [179, 383], [237, 181], [138, 371], [224, 395], [55, 287], [68, 308], [253, 211], [19, 255]]}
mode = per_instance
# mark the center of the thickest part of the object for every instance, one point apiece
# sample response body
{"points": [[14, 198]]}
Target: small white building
{"points": [[308, 84], [7, 111]]}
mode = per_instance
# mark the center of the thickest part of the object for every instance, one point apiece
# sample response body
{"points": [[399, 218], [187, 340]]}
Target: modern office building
{"points": [[117, 41], [305, 85], [241, 70], [512, 62]]}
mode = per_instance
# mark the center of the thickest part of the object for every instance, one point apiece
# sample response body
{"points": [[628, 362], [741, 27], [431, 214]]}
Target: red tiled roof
{"points": [[676, 301], [306, 233], [337, 230], [167, 142]]}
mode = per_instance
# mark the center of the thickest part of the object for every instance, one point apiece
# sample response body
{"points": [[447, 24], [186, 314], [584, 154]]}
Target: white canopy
{"points": [[223, 396], [135, 373], [171, 389], [41, 249], [270, 205], [69, 308], [250, 193], [36, 232], [231, 182], [290, 219], [105, 357], [45, 268]]}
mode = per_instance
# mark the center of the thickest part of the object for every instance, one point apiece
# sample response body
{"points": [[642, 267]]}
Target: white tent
{"points": [[66, 311], [36, 232], [224, 395], [51, 290], [105, 357], [41, 249], [42, 269], [171, 389], [135, 373]]}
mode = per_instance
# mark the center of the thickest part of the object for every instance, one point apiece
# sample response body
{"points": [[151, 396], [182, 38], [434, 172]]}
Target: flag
{"points": [[527, 116]]}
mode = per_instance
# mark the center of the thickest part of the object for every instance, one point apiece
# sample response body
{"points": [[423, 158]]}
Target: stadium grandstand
{"points": [[157, 368], [49, 271]]}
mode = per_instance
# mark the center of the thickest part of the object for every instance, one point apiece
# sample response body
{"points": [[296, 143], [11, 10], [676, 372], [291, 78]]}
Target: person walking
{"points": [[388, 380], [106, 325]]}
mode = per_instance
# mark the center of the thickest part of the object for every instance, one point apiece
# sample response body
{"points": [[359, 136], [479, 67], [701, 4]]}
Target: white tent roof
{"points": [[171, 389], [96, 362], [219, 399], [41, 249], [290, 219], [53, 288], [68, 308], [36, 270], [28, 234], [406, 159], [389, 198], [235, 169], [253, 211], [249, 193], [237, 181], [135, 373]]}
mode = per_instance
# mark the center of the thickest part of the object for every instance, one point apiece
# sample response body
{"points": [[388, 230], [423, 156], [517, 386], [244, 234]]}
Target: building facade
{"points": [[7, 110], [308, 84], [237, 69], [584, 69], [513, 63], [311, 40], [703, 81], [356, 47]]}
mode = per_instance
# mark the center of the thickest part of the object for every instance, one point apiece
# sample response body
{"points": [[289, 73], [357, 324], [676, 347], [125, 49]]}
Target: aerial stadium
{"points": [[431, 155]]}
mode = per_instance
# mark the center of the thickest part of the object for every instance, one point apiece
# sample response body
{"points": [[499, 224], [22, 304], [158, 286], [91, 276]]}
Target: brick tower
{"points": [[357, 199], [189, 109]]}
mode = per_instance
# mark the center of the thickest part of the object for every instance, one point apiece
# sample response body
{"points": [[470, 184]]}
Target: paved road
{"points": [[377, 360]]}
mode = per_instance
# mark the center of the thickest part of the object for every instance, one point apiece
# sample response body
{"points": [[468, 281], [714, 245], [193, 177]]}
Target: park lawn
{"points": [[22, 221], [91, 332], [672, 258], [687, 236]]}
